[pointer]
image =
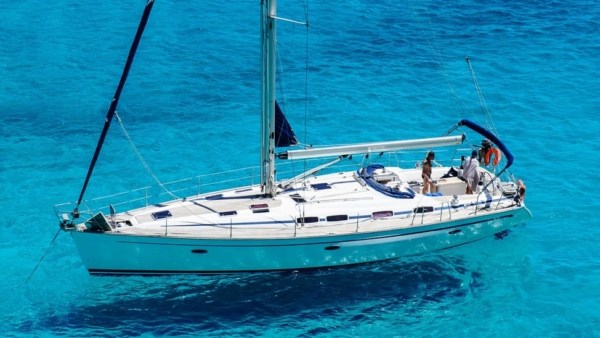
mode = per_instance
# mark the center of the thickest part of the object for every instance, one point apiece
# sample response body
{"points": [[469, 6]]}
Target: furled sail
{"points": [[284, 135], [113, 104], [376, 147]]}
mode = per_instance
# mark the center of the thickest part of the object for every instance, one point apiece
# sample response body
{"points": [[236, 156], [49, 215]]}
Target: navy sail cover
{"points": [[284, 135]]}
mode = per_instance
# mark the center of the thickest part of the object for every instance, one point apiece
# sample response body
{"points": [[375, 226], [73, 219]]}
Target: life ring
{"points": [[497, 156]]}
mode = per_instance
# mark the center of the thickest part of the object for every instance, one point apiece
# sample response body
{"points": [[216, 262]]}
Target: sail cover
{"points": [[284, 135]]}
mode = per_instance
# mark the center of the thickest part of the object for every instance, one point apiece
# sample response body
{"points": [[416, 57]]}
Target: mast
{"points": [[268, 68]]}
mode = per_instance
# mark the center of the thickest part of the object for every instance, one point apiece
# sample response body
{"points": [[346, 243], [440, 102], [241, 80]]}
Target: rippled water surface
{"points": [[376, 70]]}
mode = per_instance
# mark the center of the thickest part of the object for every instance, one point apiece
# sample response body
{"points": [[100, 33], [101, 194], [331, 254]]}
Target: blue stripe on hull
{"points": [[219, 272], [263, 243]]}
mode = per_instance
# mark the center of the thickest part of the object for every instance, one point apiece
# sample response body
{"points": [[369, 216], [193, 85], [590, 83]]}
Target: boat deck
{"points": [[309, 209]]}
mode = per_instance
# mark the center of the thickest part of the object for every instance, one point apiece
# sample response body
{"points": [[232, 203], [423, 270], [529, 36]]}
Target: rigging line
{"points": [[151, 173], [487, 116], [437, 54], [306, 76], [43, 256], [139, 156], [281, 80], [113, 105]]}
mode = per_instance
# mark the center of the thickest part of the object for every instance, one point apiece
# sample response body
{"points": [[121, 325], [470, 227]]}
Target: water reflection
{"points": [[178, 304]]}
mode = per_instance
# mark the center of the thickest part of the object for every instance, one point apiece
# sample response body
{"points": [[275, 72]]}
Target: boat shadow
{"points": [[218, 302]]}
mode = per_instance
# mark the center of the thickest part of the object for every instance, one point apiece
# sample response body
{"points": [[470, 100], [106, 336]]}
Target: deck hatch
{"points": [[259, 208], [161, 214], [297, 198], [98, 223], [320, 186], [228, 213]]}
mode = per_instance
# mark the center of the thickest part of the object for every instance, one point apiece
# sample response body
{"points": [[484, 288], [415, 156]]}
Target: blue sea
{"points": [[362, 71]]}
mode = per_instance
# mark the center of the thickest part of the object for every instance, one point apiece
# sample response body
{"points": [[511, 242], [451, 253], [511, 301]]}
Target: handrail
{"points": [[442, 210], [150, 194], [293, 232]]}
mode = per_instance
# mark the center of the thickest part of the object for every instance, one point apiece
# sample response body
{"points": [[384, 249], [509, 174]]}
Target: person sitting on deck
{"points": [[428, 185]]}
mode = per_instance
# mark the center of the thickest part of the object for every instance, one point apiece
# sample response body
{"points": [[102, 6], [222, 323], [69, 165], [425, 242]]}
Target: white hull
{"points": [[126, 254], [194, 242]]}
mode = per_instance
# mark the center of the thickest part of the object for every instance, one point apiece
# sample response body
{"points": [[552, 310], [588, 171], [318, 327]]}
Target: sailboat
{"points": [[315, 219]]}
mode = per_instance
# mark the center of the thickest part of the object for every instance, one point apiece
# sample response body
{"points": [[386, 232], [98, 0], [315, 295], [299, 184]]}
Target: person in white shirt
{"points": [[471, 172]]}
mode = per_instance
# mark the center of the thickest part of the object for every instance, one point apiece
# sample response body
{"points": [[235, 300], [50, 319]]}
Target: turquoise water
{"points": [[383, 70]]}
